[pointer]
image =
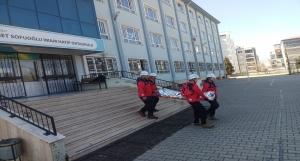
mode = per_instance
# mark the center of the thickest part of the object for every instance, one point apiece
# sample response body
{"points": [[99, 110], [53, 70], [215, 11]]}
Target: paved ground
{"points": [[258, 121]]}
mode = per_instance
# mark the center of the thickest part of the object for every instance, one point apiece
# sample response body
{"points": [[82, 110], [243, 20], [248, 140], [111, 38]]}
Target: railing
{"points": [[134, 76], [28, 114]]}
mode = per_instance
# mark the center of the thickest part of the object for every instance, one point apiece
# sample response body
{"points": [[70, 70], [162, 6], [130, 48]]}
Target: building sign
{"points": [[23, 36]]}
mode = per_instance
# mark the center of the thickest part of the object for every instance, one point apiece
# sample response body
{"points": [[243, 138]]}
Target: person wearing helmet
{"points": [[154, 88], [145, 94], [194, 100], [209, 85]]}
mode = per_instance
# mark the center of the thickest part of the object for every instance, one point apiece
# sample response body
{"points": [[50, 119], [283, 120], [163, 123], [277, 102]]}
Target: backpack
{"points": [[186, 89]]}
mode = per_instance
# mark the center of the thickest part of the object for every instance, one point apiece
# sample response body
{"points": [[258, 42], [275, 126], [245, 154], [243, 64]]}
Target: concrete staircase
{"points": [[93, 119]]}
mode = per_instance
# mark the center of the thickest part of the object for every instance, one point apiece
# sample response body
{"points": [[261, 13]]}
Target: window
{"points": [[167, 2], [192, 67], [131, 35], [191, 13], [162, 66], [207, 23], [170, 21], [183, 26], [213, 26], [194, 31], [180, 7], [200, 19], [249, 51], [208, 66], [218, 52], [127, 5], [201, 66], [240, 51], [101, 64], [174, 44], [151, 14], [101, 1], [186, 46], [209, 38], [212, 51], [216, 41], [221, 67], [216, 66], [155, 40], [197, 48], [137, 65], [179, 66], [205, 50], [103, 29], [203, 35]]}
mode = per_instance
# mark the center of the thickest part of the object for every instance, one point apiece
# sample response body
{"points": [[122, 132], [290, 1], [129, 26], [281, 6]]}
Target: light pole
{"points": [[288, 61]]}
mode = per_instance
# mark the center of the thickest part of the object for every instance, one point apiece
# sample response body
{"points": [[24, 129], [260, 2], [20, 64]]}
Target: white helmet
{"points": [[193, 76], [144, 73], [210, 75], [152, 74]]}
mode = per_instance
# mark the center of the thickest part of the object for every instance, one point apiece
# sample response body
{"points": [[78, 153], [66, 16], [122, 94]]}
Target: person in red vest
{"points": [[209, 85], [145, 94], [194, 98], [154, 88]]}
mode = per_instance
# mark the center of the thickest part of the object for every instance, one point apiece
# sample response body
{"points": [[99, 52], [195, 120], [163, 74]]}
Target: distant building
{"points": [[277, 60], [229, 50], [248, 60], [291, 50]]}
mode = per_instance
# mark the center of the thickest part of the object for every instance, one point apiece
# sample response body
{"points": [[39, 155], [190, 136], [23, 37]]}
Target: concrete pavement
{"points": [[258, 121]]}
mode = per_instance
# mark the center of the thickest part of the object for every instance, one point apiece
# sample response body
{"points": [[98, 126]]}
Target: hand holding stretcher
{"points": [[168, 93]]}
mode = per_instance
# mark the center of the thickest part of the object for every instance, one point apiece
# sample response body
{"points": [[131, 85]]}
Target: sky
{"points": [[256, 23]]}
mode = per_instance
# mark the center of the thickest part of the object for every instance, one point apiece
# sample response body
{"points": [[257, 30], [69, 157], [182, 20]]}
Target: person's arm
{"points": [[141, 91], [198, 91], [205, 87]]}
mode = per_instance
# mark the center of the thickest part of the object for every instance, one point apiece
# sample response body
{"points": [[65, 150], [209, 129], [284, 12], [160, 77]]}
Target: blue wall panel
{"points": [[47, 6], [68, 9], [77, 17], [89, 30], [71, 27], [49, 22], [4, 18], [85, 10], [23, 18], [3, 1], [27, 4]]}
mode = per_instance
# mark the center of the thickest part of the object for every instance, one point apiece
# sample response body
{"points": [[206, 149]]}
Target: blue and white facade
{"points": [[170, 37], [45, 46], [42, 44]]}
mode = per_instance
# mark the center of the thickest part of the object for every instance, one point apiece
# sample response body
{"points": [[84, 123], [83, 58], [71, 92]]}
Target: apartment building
{"points": [[277, 60], [248, 60], [290, 49], [229, 50], [170, 37]]}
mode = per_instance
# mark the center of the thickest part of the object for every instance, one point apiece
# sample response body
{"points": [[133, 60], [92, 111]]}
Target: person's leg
{"points": [[156, 99], [149, 103], [213, 106], [198, 112], [144, 109]]}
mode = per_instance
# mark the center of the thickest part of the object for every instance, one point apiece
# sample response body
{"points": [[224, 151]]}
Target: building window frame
{"points": [[173, 43], [179, 67], [191, 67], [180, 7], [155, 39], [170, 21], [131, 37], [201, 66], [103, 29], [191, 13], [167, 2], [97, 65], [137, 65], [162, 66], [127, 5], [183, 27], [151, 13], [187, 46]]}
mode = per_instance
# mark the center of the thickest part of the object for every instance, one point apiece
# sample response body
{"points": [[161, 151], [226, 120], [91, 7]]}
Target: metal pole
{"points": [[247, 72], [288, 61]]}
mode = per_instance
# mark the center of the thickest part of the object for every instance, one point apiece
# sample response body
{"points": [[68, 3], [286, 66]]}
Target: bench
{"points": [[90, 79]]}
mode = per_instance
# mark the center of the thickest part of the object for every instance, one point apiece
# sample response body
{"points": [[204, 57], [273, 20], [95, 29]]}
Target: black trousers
{"points": [[199, 112], [213, 106], [155, 99], [149, 105]]}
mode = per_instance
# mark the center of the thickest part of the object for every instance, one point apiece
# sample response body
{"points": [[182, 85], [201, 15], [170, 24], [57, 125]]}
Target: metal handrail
{"points": [[132, 75], [28, 114]]}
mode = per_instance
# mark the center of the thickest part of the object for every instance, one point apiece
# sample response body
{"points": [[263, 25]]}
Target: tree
{"points": [[229, 67]]}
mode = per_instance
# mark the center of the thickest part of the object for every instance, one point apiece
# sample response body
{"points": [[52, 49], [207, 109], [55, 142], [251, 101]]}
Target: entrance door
{"points": [[32, 77]]}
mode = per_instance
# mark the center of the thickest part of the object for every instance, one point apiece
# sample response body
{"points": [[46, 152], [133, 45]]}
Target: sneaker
{"points": [[207, 125], [212, 118], [142, 114], [155, 110], [152, 117]]}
